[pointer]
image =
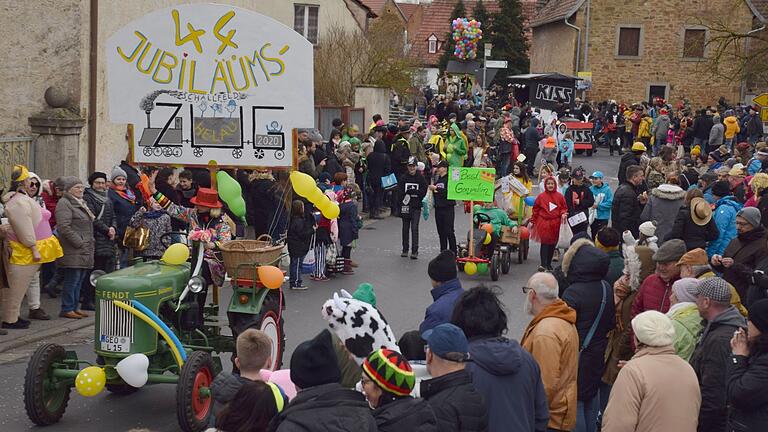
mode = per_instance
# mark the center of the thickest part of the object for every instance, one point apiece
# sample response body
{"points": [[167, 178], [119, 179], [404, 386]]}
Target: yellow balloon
{"points": [[315, 196], [176, 254], [331, 211], [302, 183], [470, 268], [90, 381], [487, 239]]}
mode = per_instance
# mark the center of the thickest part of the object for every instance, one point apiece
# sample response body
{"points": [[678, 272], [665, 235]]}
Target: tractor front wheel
{"points": [[194, 401], [45, 398]]}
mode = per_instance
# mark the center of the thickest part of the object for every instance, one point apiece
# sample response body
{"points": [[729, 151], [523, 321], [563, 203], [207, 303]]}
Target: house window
{"points": [[432, 43], [694, 41], [305, 21], [629, 39]]}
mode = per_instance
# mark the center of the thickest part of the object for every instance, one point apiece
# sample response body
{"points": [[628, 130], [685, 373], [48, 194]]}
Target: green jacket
{"points": [[455, 147], [687, 322], [498, 217], [615, 268]]}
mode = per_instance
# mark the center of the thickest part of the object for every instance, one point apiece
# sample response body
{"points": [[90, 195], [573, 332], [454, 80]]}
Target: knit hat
{"points": [[721, 189], [69, 182], [653, 328], [359, 326], [648, 228], [752, 215], [715, 289], [694, 257], [716, 156], [390, 371], [758, 314], [96, 175], [442, 268], [117, 172], [447, 341], [670, 250], [314, 362], [686, 289], [364, 293]]}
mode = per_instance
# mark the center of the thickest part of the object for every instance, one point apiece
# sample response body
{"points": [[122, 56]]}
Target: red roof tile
{"points": [[437, 21], [375, 5], [407, 9]]}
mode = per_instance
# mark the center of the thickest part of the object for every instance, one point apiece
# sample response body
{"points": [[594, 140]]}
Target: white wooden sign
{"points": [[210, 82]]}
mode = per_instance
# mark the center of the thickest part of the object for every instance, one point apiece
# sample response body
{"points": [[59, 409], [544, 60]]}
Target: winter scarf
{"points": [[125, 193]]}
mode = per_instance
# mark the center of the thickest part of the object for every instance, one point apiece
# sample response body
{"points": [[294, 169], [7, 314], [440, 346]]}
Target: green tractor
{"points": [[163, 290]]}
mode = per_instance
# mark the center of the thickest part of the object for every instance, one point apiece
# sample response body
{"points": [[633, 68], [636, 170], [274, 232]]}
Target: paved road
{"points": [[401, 285]]}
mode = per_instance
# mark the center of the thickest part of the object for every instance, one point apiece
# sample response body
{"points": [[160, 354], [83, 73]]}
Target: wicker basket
{"points": [[258, 252]]}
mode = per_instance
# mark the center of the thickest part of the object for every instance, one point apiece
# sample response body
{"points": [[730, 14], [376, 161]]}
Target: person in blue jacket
{"points": [[755, 165], [604, 207], [724, 215], [446, 290], [705, 183]]}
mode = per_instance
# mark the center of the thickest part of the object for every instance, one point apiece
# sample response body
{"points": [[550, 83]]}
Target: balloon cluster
{"points": [[305, 186], [467, 34]]}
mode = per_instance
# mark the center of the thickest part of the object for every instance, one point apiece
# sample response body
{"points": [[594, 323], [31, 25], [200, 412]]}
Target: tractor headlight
{"points": [[95, 275], [196, 284]]}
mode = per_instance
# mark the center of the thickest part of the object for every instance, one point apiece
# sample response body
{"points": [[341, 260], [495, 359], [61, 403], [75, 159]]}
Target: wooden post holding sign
{"points": [[211, 83], [471, 184]]}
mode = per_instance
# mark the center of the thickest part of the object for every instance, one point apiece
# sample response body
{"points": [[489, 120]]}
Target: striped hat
{"points": [[390, 371]]}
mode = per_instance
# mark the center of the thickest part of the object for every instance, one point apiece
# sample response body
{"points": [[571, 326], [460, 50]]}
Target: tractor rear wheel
{"points": [[45, 398], [194, 401], [269, 320]]}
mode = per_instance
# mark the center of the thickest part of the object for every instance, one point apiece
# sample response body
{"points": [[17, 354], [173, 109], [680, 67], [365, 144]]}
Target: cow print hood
{"points": [[359, 326]]}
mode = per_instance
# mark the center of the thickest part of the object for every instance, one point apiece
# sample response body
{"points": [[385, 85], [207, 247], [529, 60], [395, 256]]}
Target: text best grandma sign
{"points": [[209, 82], [471, 184]]}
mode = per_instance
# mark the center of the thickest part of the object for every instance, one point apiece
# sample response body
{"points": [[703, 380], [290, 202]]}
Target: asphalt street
{"points": [[401, 285]]}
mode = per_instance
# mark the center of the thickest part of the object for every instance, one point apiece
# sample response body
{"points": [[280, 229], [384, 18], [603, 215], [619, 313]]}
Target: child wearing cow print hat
{"points": [[387, 382]]}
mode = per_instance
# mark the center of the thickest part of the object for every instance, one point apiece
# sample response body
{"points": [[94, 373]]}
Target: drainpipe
{"points": [[92, 83], [586, 40], [578, 43], [743, 89]]}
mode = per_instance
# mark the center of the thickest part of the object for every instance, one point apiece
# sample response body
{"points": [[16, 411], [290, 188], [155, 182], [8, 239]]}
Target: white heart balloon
{"points": [[133, 370]]}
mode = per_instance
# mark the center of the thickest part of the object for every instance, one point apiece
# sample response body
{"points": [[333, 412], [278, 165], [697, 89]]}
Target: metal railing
{"points": [[14, 151]]}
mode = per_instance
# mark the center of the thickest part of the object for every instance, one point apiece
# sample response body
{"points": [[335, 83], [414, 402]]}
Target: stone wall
{"points": [[661, 61], [42, 44]]}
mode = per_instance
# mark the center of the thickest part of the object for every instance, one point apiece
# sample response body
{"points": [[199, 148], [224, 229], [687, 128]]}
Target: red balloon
{"points": [[524, 234], [487, 228]]}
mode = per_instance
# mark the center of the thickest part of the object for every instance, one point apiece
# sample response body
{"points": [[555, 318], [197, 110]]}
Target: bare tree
{"points": [[736, 50], [344, 59]]}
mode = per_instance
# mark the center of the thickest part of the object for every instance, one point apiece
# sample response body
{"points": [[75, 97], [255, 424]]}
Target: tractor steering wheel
{"points": [[167, 239]]}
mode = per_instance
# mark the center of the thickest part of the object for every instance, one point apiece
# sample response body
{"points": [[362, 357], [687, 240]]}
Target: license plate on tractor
{"points": [[118, 344]]}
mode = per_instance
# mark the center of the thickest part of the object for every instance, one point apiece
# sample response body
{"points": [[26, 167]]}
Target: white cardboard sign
{"points": [[210, 82]]}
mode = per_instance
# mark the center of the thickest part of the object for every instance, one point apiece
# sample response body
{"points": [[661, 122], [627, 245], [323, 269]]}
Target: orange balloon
{"points": [[524, 233], [487, 228], [270, 276]]}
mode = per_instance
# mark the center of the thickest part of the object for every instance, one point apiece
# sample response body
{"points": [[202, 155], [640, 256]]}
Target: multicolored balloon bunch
{"points": [[467, 35]]}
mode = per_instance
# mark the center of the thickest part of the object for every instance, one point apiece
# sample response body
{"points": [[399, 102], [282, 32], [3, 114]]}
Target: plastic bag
{"points": [[564, 240], [426, 203], [308, 264]]}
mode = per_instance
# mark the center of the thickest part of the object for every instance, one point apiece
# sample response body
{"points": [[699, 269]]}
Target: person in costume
{"points": [[454, 148], [205, 222], [29, 243], [549, 211], [498, 218], [517, 208]]}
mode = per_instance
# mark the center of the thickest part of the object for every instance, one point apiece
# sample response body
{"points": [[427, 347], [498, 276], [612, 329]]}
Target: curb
{"points": [[48, 333]]}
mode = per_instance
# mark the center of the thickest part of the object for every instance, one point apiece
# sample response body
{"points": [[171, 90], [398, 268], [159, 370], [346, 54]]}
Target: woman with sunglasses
{"points": [[34, 189]]}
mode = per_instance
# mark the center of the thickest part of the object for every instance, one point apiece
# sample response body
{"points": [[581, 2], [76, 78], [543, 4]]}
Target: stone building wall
{"points": [[661, 58]]}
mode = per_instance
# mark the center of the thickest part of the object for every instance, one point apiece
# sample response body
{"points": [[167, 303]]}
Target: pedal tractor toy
{"points": [[149, 330]]}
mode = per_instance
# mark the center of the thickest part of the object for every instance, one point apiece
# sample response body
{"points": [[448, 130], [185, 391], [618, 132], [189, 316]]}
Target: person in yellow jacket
{"points": [[644, 130], [732, 128]]}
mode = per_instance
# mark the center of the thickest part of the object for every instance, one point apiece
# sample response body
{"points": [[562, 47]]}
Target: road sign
{"points": [[761, 100], [487, 49], [496, 64], [764, 115]]}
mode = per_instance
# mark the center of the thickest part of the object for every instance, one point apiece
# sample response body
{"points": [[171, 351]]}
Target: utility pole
{"points": [[486, 54]]}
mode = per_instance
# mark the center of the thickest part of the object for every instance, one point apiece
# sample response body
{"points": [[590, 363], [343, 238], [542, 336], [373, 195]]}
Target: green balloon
{"points": [[482, 268], [231, 193]]}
